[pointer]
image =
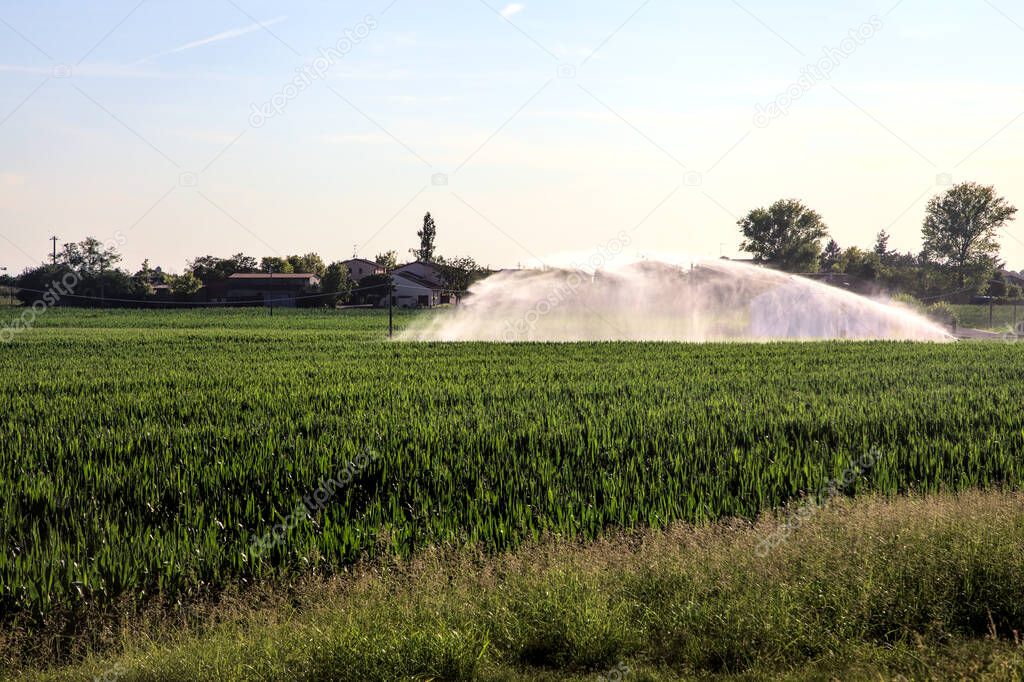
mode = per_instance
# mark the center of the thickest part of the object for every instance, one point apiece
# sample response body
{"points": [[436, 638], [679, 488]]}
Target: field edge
{"points": [[856, 589]]}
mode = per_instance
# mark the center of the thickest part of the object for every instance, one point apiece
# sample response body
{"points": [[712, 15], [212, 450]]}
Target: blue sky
{"points": [[554, 126]]}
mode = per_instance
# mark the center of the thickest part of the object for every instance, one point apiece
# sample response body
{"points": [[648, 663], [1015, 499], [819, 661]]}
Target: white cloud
{"points": [[217, 37], [512, 9]]}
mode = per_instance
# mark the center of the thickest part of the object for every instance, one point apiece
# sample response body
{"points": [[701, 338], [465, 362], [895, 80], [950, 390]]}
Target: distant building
{"points": [[412, 291], [420, 285], [278, 290], [161, 290], [358, 268]]}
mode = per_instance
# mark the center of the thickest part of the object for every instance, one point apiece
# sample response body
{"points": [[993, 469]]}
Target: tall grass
{"points": [[869, 589]]}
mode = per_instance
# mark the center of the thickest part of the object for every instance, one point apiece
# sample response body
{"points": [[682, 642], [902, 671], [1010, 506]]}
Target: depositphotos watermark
{"points": [[825, 494], [813, 74], [517, 330], [311, 504], [51, 296], [309, 73]]}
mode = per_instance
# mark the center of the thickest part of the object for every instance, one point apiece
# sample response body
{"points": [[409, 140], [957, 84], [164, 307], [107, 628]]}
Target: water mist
{"points": [[662, 300]]}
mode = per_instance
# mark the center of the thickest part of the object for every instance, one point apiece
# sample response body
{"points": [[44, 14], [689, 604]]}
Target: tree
{"points": [[460, 273], [143, 279], [114, 284], [32, 283], [335, 282], [145, 272], [205, 268], [276, 265], [830, 257], [311, 263], [864, 265], [239, 263], [387, 260], [426, 251], [786, 235], [88, 256], [213, 269], [960, 231], [881, 247], [185, 284]]}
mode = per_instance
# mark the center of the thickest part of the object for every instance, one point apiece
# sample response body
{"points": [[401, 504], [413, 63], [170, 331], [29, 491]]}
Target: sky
{"points": [[179, 128]]}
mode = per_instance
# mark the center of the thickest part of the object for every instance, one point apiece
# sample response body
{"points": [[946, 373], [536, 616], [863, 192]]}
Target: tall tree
{"points": [[960, 231], [145, 278], [831, 255], [786, 235], [881, 247], [427, 234], [387, 260]]}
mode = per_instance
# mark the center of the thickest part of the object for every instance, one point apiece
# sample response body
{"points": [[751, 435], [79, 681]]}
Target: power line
{"points": [[200, 303]]}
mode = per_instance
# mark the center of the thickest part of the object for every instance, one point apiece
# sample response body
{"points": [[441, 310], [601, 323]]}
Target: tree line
{"points": [[959, 258], [101, 282]]}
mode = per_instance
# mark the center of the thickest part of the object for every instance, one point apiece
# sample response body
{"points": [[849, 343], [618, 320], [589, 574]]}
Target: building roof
{"points": [[363, 260], [435, 280], [421, 263], [267, 275], [421, 281]]}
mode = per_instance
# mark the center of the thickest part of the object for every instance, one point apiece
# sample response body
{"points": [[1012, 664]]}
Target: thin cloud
{"points": [[106, 70], [512, 9], [217, 37]]}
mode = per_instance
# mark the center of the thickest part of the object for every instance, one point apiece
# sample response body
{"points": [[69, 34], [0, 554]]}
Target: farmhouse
{"points": [[279, 290]]}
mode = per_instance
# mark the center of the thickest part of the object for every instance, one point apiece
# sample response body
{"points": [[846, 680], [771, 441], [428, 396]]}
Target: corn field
{"points": [[142, 454]]}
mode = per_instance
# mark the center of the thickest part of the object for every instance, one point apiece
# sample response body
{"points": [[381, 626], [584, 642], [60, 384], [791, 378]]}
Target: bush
{"points": [[943, 313]]}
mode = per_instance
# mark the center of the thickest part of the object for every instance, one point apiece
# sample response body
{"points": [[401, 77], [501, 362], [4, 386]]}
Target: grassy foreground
{"points": [[920, 588]]}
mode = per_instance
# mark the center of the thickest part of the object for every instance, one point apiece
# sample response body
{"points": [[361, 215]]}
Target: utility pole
{"points": [[54, 240]]}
